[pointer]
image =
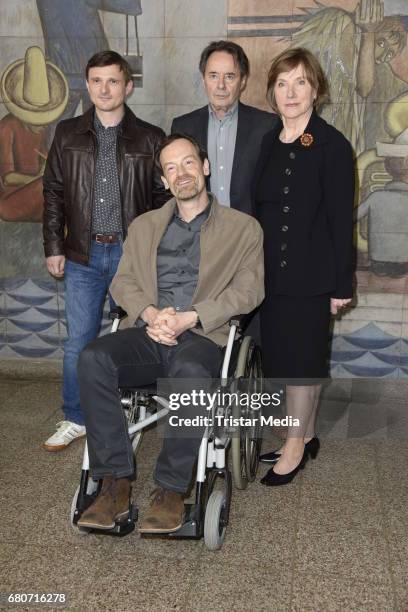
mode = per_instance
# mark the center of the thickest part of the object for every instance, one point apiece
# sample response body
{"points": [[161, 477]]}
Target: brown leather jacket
{"points": [[69, 174]]}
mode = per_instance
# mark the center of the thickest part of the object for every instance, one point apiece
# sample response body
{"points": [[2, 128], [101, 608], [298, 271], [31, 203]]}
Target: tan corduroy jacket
{"points": [[231, 272]]}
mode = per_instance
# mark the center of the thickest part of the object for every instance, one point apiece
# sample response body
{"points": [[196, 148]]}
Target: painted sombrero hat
{"points": [[34, 89]]}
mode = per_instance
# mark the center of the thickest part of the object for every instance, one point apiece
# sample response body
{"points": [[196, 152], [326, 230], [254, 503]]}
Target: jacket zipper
{"points": [[95, 149], [119, 164]]}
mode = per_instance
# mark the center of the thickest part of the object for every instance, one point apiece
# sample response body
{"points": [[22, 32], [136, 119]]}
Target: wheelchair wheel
{"points": [[246, 443], [215, 522], [90, 489], [137, 438], [134, 414], [253, 434]]}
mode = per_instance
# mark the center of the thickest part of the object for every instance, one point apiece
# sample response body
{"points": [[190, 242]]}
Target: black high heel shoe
{"points": [[312, 447], [272, 479]]}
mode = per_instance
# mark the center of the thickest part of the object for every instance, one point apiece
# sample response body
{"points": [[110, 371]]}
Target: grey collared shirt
{"points": [[106, 213], [222, 134], [178, 261]]}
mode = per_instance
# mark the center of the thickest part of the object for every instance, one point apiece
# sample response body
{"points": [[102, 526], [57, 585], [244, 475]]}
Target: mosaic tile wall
{"points": [[32, 318]]}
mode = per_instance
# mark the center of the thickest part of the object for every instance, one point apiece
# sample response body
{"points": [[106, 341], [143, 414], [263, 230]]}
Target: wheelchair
{"points": [[225, 438]]}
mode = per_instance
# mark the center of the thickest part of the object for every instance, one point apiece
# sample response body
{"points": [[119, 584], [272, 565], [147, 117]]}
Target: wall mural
{"points": [[362, 45]]}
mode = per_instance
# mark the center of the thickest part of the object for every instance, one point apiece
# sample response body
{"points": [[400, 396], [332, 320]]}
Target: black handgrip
{"points": [[117, 313]]}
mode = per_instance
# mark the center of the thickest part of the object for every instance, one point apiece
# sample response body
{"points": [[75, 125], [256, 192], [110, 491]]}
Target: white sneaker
{"points": [[67, 432]]}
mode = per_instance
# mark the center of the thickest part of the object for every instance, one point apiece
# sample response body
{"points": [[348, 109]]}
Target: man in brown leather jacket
{"points": [[100, 174]]}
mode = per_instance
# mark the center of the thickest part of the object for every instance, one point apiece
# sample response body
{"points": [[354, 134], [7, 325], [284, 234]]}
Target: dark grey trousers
{"points": [[130, 358]]}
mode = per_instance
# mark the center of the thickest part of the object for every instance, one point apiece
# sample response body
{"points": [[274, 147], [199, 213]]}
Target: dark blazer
{"points": [[309, 231], [253, 124]]}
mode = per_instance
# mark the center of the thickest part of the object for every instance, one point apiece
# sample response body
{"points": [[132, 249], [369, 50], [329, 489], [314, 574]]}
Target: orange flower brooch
{"points": [[306, 139]]}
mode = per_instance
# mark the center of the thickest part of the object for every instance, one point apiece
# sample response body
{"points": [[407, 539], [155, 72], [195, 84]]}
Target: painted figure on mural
{"points": [[35, 93], [386, 208], [356, 50], [73, 32]]}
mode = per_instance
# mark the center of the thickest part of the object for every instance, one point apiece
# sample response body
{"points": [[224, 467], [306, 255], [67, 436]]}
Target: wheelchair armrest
{"points": [[117, 313], [240, 321]]}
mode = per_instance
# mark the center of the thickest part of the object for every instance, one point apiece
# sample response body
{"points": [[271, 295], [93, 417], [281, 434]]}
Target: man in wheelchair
{"points": [[186, 269]]}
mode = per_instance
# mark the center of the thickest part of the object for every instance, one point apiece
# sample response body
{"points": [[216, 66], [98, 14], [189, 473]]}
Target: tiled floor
{"points": [[335, 539]]}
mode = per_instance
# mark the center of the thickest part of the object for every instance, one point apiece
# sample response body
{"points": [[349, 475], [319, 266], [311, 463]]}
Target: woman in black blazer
{"points": [[304, 193]]}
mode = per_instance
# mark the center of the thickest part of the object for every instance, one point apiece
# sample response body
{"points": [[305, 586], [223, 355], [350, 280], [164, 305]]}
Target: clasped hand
{"points": [[164, 326]]}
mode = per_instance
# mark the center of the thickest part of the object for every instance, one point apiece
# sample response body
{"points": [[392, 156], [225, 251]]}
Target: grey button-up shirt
{"points": [[178, 261], [222, 134], [106, 213]]}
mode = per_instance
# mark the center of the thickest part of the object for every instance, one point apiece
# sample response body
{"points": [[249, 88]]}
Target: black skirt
{"points": [[295, 337]]}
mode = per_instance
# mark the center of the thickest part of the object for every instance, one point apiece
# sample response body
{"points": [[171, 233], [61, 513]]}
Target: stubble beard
{"points": [[188, 192]]}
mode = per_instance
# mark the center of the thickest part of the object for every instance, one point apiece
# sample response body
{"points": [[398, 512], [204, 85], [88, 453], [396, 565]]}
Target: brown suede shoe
{"points": [[165, 514], [111, 504]]}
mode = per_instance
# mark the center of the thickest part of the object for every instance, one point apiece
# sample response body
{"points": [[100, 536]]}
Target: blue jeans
{"points": [[85, 293]]}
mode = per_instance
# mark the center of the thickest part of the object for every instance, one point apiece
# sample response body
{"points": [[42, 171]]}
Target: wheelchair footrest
{"points": [[123, 527], [192, 526], [126, 526]]}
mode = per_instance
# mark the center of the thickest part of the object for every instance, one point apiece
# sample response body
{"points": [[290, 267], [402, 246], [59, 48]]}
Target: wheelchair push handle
{"points": [[240, 321], [117, 313]]}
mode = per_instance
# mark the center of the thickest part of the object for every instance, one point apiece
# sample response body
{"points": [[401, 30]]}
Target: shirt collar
{"points": [[99, 127], [198, 219], [231, 113]]}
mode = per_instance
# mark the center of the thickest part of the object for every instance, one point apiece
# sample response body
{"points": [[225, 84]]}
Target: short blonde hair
{"points": [[289, 60]]}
